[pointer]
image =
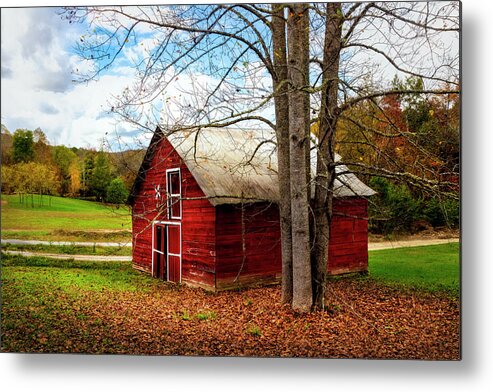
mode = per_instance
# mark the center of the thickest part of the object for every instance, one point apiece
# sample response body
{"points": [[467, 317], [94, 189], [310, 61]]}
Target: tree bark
{"points": [[298, 44], [322, 204], [281, 102]]}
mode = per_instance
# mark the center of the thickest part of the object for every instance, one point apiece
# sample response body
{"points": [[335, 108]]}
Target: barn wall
{"points": [[348, 250], [261, 241], [198, 220], [348, 245]]}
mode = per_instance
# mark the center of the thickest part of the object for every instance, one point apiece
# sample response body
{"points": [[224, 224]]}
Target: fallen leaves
{"points": [[362, 320]]}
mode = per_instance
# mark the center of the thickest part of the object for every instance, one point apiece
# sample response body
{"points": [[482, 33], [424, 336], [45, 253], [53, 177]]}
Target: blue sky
{"points": [[37, 81], [38, 90]]}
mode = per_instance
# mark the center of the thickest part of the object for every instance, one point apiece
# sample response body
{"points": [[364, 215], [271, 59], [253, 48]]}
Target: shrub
{"points": [[206, 315], [254, 330]]}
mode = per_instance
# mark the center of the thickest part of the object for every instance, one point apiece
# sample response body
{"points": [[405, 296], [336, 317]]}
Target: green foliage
{"points": [[22, 144], [101, 176], [396, 209], [86, 173], [206, 315], [442, 213], [393, 208], [185, 315], [254, 330], [116, 192], [429, 268]]}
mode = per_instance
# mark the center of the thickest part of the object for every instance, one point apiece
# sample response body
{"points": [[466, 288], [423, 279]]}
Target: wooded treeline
{"points": [[31, 165]]}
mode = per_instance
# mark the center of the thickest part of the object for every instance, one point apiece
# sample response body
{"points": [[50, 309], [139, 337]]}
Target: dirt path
{"points": [[70, 257], [371, 246], [67, 243], [409, 243]]}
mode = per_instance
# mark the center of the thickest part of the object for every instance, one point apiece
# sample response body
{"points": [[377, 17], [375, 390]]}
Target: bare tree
{"points": [[297, 38], [325, 175], [222, 65], [279, 49]]}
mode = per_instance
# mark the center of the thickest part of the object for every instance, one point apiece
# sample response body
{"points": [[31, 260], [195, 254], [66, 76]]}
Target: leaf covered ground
{"points": [[83, 307]]}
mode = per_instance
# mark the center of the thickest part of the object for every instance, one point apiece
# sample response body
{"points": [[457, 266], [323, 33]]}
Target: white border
{"points": [[166, 223], [169, 209]]}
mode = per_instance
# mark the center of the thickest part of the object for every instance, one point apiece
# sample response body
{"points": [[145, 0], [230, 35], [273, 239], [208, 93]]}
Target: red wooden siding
{"points": [[233, 245], [198, 220], [348, 244], [261, 263], [348, 251]]}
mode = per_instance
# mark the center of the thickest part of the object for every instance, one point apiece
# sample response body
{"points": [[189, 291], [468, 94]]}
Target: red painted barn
{"points": [[204, 211]]}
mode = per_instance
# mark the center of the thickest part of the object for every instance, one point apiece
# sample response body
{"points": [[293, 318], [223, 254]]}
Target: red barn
{"points": [[204, 211]]}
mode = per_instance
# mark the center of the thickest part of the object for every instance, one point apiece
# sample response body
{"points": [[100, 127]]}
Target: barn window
{"points": [[173, 189]]}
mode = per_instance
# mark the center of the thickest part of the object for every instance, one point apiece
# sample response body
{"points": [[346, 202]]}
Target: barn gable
{"points": [[236, 165], [152, 225]]}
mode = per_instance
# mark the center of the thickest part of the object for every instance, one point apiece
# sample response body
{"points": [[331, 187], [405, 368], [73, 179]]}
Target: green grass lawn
{"points": [[39, 276], [430, 268], [46, 303], [63, 219]]}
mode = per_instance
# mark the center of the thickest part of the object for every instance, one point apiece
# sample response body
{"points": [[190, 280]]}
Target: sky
{"points": [[37, 87], [38, 90]]}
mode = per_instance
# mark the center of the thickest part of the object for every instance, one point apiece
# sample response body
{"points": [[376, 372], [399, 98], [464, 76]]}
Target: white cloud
{"points": [[37, 88]]}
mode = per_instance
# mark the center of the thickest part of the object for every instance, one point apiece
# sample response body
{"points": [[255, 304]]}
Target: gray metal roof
{"points": [[232, 165]]}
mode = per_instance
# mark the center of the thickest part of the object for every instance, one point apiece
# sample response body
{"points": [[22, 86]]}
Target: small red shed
{"points": [[204, 211]]}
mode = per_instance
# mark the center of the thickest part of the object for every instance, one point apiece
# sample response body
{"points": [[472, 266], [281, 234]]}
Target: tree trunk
{"points": [[298, 44], [281, 102], [322, 204]]}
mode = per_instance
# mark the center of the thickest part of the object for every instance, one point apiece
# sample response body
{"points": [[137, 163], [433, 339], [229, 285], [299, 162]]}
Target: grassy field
{"points": [[65, 219], [107, 307], [430, 268]]}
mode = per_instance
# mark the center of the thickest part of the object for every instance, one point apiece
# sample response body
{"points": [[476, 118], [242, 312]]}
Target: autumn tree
{"points": [[8, 179], [6, 146], [74, 175], [63, 158], [41, 147], [28, 179]]}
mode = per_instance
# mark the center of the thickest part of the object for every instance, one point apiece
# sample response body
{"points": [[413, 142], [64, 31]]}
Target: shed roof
{"points": [[231, 165]]}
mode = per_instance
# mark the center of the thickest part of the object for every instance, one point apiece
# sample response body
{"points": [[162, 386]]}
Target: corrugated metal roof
{"points": [[232, 165]]}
